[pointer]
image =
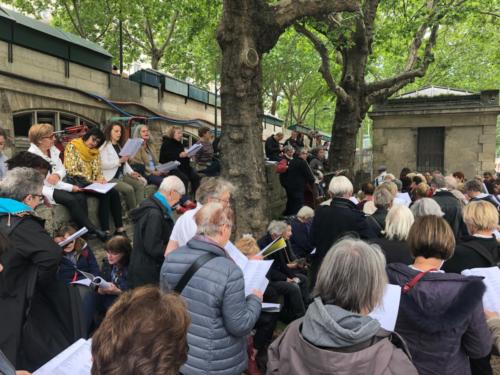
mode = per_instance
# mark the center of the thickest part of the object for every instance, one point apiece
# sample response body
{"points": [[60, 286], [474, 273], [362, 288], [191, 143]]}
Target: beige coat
{"points": [[291, 354]]}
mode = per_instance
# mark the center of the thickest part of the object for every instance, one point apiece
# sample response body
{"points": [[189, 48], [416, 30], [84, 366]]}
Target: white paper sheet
{"points": [[131, 147], [167, 167], [100, 188], [255, 275], [193, 150], [491, 298], [75, 360], [387, 312], [236, 255], [402, 199], [254, 271], [74, 236]]}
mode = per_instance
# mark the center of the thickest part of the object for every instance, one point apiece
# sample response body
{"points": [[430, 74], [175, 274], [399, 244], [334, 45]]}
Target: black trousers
{"points": [[264, 329], [294, 307], [294, 202], [76, 203], [188, 176], [109, 202]]}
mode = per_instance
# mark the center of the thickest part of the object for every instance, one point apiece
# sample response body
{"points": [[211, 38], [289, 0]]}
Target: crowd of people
{"points": [[174, 299]]}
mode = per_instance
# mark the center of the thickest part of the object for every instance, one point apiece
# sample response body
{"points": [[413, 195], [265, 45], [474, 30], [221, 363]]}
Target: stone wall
{"points": [[469, 135]]}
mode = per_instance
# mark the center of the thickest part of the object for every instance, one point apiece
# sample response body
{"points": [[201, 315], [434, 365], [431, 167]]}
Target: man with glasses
{"points": [[153, 223], [211, 190]]}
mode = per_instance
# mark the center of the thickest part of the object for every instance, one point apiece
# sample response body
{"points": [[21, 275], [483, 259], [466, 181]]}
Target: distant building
{"points": [[437, 129]]}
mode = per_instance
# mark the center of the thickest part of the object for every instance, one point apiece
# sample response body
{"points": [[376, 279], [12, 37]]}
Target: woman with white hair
{"points": [[214, 288], [397, 226], [425, 207], [301, 227], [285, 275], [336, 336]]}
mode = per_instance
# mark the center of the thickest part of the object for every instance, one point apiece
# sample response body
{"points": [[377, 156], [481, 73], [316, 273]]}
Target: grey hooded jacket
{"points": [[331, 340], [221, 316]]}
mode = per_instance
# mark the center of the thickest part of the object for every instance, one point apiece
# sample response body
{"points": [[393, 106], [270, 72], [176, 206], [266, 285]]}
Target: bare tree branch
{"points": [[288, 11], [325, 64]]}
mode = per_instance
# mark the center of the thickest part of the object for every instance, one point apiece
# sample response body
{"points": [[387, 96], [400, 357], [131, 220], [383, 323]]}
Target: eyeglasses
{"points": [[224, 201], [52, 136], [39, 196]]}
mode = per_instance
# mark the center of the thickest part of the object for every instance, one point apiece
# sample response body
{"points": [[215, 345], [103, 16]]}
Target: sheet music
{"points": [[236, 255], [75, 360], [193, 150], [167, 167], [491, 298], [96, 280], [100, 188], [131, 148], [255, 275], [73, 237], [387, 312]]}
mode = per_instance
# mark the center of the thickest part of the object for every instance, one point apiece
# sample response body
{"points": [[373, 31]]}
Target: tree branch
{"points": [[387, 87], [325, 64], [170, 31], [75, 22], [288, 11], [133, 39]]}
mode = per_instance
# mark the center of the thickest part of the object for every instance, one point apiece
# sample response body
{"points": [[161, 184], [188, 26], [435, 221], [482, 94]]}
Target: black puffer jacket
{"points": [[152, 228]]}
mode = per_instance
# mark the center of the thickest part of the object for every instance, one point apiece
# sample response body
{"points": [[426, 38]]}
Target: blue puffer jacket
{"points": [[221, 316]]}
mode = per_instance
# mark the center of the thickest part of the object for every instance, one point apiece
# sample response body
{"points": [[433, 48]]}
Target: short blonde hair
{"points": [[39, 131], [171, 131], [247, 245], [481, 215]]}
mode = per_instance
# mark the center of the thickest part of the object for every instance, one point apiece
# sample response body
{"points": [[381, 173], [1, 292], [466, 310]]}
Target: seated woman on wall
{"points": [[116, 169], [173, 149], [83, 166], [336, 335], [145, 161], [440, 315], [286, 273], [55, 190], [144, 332], [301, 227]]}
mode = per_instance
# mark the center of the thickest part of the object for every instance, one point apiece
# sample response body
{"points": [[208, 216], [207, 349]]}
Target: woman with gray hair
{"points": [[221, 315], [336, 335], [31, 255], [301, 227], [145, 161], [425, 207], [397, 226]]}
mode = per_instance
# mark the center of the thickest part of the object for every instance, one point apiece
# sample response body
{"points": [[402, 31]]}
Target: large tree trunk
{"points": [[342, 151], [241, 143]]}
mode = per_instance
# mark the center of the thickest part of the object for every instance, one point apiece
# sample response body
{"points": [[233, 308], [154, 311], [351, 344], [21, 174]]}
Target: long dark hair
{"points": [[109, 128], [96, 132]]}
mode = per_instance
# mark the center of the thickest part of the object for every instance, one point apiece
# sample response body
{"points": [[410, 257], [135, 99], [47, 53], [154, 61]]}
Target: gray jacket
{"points": [[221, 316], [330, 340]]}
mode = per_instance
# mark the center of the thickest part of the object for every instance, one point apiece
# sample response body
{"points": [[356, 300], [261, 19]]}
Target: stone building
{"points": [[437, 129]]}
